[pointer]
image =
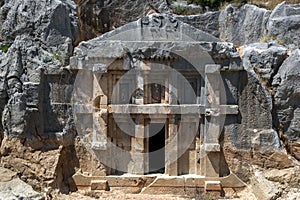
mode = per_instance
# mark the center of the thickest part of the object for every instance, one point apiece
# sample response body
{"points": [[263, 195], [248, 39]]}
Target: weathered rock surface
{"points": [[39, 41], [262, 188], [276, 184], [284, 23], [265, 59], [38, 37], [11, 187], [286, 177], [243, 25], [48, 168], [98, 17], [286, 181], [36, 168], [52, 23], [287, 100], [250, 24], [207, 22], [256, 115], [239, 25], [182, 7]]}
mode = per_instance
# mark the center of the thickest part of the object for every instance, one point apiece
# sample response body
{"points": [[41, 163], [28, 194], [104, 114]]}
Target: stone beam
{"points": [[172, 109]]}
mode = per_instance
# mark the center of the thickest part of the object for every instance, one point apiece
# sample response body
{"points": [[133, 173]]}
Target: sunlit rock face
{"points": [[286, 96]]}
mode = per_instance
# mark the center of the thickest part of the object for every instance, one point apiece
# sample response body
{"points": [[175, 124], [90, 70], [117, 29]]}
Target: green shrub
{"points": [[4, 48]]}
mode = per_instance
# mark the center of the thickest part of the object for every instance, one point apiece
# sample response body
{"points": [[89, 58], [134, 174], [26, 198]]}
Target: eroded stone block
{"points": [[99, 185], [212, 186]]}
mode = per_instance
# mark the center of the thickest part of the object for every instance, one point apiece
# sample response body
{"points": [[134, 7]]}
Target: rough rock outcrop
{"points": [[40, 37], [239, 25], [265, 59], [37, 40], [263, 189], [256, 116], [48, 168], [284, 23], [11, 187], [207, 22], [98, 17], [287, 100], [53, 23], [250, 24], [243, 25], [276, 184]]}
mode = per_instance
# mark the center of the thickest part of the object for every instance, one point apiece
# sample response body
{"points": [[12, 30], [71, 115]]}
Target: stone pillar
{"points": [[147, 89], [138, 146], [192, 130], [139, 95], [173, 85], [100, 115], [167, 89], [171, 150], [212, 121]]}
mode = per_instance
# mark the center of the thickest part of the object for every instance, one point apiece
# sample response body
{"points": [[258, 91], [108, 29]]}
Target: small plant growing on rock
{"points": [[181, 10], [178, 9], [269, 38], [4, 48], [59, 57]]}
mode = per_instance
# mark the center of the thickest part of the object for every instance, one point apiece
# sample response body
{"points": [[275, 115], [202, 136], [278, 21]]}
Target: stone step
{"points": [[162, 184]]}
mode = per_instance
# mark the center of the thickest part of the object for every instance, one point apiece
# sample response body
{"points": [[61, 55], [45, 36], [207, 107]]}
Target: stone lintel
{"points": [[108, 50], [172, 109]]}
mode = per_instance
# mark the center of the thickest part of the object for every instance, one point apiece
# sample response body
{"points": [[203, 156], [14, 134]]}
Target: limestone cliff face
{"points": [[37, 38], [98, 17]]}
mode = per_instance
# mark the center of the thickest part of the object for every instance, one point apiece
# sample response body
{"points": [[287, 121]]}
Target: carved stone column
{"points": [[139, 94], [138, 146], [171, 150], [212, 121]]}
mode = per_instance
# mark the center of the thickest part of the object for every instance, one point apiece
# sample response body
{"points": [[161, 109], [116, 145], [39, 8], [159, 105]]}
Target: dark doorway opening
{"points": [[156, 148]]}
